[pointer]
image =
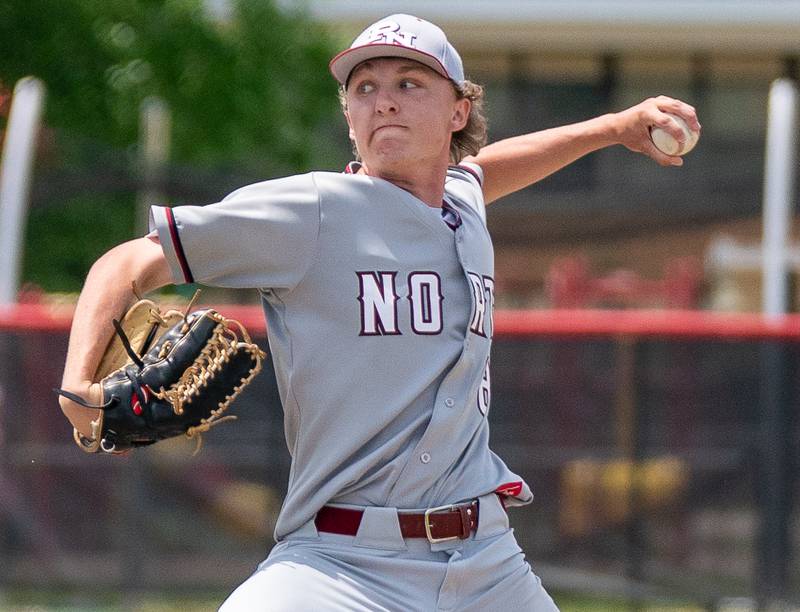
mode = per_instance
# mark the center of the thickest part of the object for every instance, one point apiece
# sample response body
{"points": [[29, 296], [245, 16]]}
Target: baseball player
{"points": [[377, 285]]}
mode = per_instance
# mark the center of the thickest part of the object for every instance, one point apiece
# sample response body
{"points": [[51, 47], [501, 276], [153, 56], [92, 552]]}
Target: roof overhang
{"points": [[738, 26]]}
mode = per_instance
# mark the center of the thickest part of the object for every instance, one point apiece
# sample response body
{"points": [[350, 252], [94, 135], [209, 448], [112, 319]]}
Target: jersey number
{"points": [[485, 391]]}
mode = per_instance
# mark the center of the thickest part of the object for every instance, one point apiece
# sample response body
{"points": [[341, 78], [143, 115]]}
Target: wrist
{"points": [[608, 129], [76, 384]]}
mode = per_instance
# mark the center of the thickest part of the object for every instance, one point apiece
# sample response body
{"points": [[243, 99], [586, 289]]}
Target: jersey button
{"points": [[449, 402], [425, 457]]}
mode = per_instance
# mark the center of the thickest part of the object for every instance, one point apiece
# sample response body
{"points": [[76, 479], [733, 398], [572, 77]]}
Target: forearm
{"points": [[513, 163], [106, 294]]}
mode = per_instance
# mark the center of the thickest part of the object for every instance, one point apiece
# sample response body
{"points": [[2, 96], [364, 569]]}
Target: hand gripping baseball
{"points": [[635, 125], [172, 374]]}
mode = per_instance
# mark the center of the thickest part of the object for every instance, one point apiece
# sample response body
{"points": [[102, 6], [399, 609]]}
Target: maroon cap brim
{"points": [[342, 65]]}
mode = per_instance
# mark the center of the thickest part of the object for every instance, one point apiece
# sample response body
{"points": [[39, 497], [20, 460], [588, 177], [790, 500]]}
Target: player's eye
{"points": [[365, 87], [406, 84]]}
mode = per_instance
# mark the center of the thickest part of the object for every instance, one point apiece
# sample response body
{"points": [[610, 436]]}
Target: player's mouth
{"points": [[387, 126], [386, 130]]}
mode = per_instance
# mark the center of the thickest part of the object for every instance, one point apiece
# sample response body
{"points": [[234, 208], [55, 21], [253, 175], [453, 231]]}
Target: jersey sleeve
{"points": [[260, 236], [465, 182]]}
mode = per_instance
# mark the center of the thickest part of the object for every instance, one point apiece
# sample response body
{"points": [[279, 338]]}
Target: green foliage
{"points": [[251, 86], [55, 42], [249, 90], [63, 242]]}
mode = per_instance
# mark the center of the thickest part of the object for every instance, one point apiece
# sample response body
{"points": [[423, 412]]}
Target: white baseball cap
{"points": [[401, 36]]}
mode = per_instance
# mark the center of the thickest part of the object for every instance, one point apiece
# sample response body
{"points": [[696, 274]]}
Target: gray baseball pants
{"points": [[379, 570]]}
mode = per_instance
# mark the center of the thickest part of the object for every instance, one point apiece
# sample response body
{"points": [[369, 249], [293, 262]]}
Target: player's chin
{"points": [[391, 153], [390, 143]]}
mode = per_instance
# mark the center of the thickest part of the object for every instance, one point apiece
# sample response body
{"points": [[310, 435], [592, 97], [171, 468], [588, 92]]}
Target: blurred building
{"points": [[550, 63]]}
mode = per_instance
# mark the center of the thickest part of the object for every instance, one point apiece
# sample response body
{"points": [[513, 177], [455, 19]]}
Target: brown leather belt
{"points": [[454, 522]]}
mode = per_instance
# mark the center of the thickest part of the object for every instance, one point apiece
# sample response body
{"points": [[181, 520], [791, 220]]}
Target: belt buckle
{"points": [[428, 533]]}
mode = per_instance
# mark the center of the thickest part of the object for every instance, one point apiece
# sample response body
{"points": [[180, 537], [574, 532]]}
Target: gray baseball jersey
{"points": [[379, 312]]}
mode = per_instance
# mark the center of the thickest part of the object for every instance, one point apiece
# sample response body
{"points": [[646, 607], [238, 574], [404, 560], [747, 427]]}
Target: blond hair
{"points": [[469, 139]]}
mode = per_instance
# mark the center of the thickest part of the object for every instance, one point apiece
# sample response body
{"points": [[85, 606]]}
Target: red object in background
{"points": [[5, 100], [549, 323], [31, 293], [569, 284]]}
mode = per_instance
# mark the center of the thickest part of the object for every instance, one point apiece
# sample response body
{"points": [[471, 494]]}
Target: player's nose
{"points": [[385, 103]]}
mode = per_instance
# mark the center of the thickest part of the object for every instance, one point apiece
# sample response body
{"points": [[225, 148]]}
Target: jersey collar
{"points": [[450, 215]]}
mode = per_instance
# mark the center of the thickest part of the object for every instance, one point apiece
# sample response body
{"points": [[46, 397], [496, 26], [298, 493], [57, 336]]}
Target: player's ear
{"points": [[351, 133], [460, 116]]}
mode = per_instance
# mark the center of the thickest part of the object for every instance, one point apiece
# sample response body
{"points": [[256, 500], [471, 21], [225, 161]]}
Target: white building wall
{"points": [[741, 26]]}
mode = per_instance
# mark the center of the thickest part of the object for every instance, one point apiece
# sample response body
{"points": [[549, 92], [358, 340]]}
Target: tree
{"points": [[246, 93], [251, 86]]}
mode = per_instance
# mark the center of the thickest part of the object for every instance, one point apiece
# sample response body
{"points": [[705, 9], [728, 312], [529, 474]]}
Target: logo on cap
{"points": [[389, 33]]}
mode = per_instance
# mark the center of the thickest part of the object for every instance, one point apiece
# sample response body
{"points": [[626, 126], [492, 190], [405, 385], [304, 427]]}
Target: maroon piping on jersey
{"points": [[451, 216], [353, 166], [471, 171], [176, 243]]}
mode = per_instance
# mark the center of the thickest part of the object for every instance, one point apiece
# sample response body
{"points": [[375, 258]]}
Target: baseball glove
{"points": [[170, 374]]}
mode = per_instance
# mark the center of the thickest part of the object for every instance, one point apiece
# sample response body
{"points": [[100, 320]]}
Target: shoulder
{"points": [[295, 184], [335, 187], [463, 185], [466, 171]]}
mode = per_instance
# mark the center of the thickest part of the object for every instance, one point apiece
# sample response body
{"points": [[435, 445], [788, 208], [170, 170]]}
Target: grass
{"points": [[46, 601], [573, 603]]}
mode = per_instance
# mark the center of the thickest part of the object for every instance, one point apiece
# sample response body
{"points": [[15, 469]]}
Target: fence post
{"points": [[774, 440], [15, 175], [154, 146]]}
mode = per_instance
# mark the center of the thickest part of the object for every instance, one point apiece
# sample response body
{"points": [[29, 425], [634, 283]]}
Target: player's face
{"points": [[402, 114]]}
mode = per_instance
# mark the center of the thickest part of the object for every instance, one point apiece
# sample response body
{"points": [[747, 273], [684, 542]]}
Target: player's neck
{"points": [[425, 182]]}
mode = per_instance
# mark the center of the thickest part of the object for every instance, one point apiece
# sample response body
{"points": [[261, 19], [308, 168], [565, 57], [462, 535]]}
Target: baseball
{"points": [[666, 142]]}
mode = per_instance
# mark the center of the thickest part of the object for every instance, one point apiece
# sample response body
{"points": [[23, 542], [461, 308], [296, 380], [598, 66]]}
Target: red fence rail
{"points": [[556, 323]]}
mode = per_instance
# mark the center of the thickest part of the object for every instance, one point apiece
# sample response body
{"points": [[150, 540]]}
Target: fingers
{"points": [[660, 112], [662, 158], [666, 104], [632, 127], [85, 420]]}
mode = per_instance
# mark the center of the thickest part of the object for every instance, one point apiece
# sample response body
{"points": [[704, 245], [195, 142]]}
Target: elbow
{"points": [[140, 261]]}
